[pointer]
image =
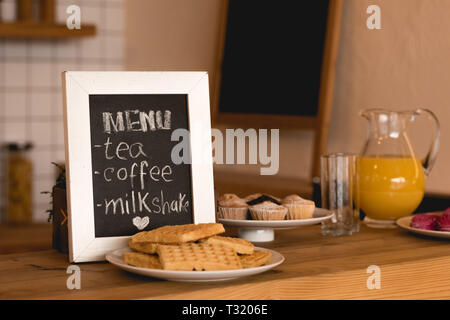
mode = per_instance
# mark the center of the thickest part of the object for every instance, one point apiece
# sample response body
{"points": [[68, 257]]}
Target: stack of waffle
{"points": [[192, 247]]}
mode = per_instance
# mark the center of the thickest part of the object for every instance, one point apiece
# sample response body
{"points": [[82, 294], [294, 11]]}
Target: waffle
{"points": [[241, 246], [144, 247], [180, 233], [198, 256], [141, 260], [139, 237], [258, 258]]}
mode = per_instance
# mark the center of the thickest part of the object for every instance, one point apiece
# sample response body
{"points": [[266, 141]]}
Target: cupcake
{"points": [[268, 210], [298, 208], [230, 206]]}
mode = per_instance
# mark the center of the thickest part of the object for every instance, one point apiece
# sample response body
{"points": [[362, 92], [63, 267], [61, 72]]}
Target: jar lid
{"points": [[15, 146]]}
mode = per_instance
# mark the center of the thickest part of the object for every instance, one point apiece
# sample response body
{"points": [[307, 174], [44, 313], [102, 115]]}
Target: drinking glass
{"points": [[338, 183]]}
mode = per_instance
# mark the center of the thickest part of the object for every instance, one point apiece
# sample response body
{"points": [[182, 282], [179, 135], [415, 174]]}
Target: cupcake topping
{"points": [[293, 198], [228, 196], [267, 205], [264, 198], [233, 203], [252, 197], [296, 199]]}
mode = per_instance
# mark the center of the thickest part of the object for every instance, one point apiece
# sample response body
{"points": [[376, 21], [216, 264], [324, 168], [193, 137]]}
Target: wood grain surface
{"points": [[24, 238], [316, 267]]}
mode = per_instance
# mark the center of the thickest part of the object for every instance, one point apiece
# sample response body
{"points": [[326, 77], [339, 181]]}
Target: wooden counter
{"points": [[25, 238], [316, 267]]}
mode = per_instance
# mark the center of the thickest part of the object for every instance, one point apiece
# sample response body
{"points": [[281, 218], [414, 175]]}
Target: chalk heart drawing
{"points": [[141, 223]]}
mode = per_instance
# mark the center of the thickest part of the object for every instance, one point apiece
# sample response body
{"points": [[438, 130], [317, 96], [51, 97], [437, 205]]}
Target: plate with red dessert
{"points": [[429, 224]]}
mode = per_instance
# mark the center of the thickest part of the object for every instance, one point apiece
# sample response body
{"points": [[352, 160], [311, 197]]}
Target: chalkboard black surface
{"points": [[273, 57], [136, 186]]}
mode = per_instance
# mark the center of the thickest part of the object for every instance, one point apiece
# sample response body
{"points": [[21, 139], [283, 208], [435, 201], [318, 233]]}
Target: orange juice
{"points": [[390, 187]]}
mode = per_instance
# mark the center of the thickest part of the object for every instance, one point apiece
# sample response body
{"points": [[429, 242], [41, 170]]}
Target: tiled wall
{"points": [[30, 83]]}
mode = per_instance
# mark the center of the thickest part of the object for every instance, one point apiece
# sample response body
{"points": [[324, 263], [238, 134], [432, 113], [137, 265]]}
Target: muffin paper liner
{"points": [[269, 214], [299, 211], [233, 213]]}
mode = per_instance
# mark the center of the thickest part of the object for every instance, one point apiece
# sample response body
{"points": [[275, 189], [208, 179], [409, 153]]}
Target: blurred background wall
{"points": [[30, 83], [403, 66]]}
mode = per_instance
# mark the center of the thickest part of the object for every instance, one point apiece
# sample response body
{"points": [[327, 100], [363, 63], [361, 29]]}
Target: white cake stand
{"points": [[264, 230]]}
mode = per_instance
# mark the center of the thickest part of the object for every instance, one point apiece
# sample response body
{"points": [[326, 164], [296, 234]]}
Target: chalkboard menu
{"points": [[272, 59], [138, 156], [136, 186]]}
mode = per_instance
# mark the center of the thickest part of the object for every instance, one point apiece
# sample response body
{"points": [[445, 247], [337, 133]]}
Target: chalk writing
{"points": [[133, 173]]}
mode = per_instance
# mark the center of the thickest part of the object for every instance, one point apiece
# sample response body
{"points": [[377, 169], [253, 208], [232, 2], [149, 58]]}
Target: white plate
{"points": [[405, 223], [263, 230], [318, 216], [116, 258]]}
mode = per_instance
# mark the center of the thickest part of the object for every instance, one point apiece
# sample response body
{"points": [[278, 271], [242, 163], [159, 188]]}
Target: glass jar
{"points": [[18, 183]]}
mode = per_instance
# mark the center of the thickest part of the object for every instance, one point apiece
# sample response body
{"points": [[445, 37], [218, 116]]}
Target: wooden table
{"points": [[316, 267], [25, 238]]}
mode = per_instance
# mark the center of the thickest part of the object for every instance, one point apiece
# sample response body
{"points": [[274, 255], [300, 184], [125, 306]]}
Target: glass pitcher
{"points": [[391, 177]]}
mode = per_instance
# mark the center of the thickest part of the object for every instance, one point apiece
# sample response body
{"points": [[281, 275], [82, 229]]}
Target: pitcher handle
{"points": [[430, 158]]}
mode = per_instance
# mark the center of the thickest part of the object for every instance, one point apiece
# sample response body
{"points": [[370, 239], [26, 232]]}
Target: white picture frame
{"points": [[77, 86]]}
